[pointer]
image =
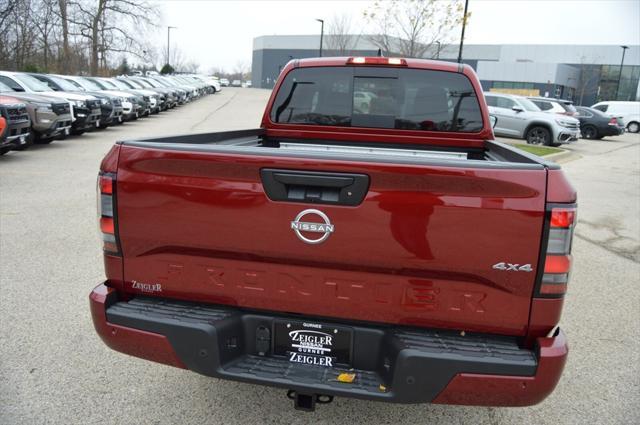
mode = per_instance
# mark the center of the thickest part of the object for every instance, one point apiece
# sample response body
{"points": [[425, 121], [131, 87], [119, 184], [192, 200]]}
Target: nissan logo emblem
{"points": [[299, 225]]}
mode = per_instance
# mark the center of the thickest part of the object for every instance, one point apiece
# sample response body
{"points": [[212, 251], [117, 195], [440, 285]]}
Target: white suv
{"points": [[628, 112], [521, 118]]}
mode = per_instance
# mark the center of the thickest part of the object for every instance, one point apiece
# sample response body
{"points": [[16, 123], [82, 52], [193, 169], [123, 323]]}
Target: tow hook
{"points": [[307, 402]]}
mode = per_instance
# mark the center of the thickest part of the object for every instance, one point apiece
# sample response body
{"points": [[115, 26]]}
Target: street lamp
{"points": [[624, 50], [169, 43], [321, 33], [464, 24], [438, 51]]}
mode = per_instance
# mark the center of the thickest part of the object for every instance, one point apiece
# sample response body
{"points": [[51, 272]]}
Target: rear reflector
{"points": [[557, 262], [107, 226], [376, 61]]}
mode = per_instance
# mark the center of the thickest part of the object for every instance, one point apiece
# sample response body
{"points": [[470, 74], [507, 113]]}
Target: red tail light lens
{"points": [[106, 213], [557, 264], [613, 121]]}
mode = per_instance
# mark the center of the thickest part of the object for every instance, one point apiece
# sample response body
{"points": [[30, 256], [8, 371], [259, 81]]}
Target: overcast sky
{"points": [[220, 33]]}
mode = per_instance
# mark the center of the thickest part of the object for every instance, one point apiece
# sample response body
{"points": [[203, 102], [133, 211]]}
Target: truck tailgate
{"points": [[419, 250]]}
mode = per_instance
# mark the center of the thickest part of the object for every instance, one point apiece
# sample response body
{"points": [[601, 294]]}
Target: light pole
{"points": [[321, 33], [464, 24], [169, 43], [624, 50], [438, 51]]}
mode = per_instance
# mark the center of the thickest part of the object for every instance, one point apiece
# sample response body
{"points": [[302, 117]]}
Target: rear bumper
{"points": [[392, 364]]}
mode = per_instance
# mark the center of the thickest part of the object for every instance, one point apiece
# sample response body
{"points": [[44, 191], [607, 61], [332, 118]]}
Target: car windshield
{"points": [[152, 83], [108, 84], [528, 105], [132, 83], [160, 82], [406, 99], [32, 83], [119, 84], [88, 84], [144, 83], [77, 85], [5, 88], [64, 84]]}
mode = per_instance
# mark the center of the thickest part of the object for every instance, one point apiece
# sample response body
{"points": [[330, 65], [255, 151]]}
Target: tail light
{"points": [[613, 121], [107, 213], [376, 61], [557, 258]]}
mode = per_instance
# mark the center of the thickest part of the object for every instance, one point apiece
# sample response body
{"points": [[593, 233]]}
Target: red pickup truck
{"points": [[369, 240]]}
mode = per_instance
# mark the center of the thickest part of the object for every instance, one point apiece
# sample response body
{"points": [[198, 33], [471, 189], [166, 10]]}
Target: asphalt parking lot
{"points": [[54, 369]]}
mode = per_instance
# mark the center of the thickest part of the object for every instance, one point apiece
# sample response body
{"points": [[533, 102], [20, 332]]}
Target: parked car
{"points": [[171, 96], [248, 83], [521, 118], [628, 112], [594, 124], [50, 116], [236, 83], [224, 82], [133, 105], [17, 123], [110, 105], [85, 109], [556, 106], [3, 135], [362, 101], [400, 256], [151, 97], [160, 94]]}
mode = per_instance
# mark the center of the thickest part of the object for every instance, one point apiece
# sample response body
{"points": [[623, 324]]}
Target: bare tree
{"points": [[339, 35], [412, 28], [64, 24], [112, 26]]}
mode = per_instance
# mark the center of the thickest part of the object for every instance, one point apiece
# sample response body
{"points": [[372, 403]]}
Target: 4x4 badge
{"points": [[299, 226]]}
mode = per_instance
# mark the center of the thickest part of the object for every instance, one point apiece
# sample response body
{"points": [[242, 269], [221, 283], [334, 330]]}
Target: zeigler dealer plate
{"points": [[312, 343]]}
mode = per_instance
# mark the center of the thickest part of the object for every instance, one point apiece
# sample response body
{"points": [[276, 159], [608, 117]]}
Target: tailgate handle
{"points": [[314, 187]]}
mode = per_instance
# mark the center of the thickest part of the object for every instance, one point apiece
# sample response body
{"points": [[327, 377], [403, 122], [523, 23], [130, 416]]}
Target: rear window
{"points": [[602, 108], [395, 98]]}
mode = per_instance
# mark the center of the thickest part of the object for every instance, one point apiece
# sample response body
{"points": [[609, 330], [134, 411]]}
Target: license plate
{"points": [[137, 116], [66, 131], [23, 140], [312, 343], [97, 123]]}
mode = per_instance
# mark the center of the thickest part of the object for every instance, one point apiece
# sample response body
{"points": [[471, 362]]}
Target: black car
{"points": [[596, 125]]}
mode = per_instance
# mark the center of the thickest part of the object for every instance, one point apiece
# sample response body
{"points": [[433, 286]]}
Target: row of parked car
{"points": [[40, 108], [552, 122], [235, 83]]}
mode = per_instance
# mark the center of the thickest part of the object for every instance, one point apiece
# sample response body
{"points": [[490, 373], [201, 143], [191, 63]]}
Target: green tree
{"points": [[124, 68], [167, 69]]}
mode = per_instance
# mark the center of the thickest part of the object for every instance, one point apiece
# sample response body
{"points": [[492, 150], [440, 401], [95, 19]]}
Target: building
{"points": [[585, 74]]}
